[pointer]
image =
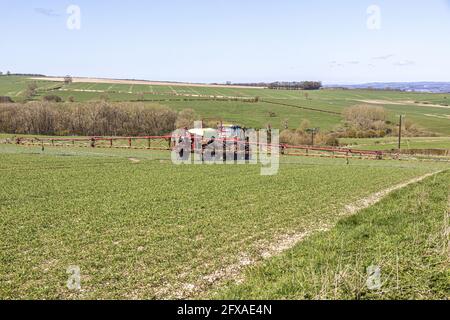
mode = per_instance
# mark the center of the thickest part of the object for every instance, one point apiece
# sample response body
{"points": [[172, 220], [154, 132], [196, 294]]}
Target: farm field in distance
{"points": [[136, 233], [390, 143], [322, 108]]}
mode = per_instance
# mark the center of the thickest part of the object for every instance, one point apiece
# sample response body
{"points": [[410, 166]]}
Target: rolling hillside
{"points": [[322, 108]]}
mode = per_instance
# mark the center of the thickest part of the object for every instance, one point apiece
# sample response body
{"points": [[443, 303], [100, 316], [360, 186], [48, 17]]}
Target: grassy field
{"points": [[406, 236], [390, 143], [15, 86], [149, 229], [323, 108]]}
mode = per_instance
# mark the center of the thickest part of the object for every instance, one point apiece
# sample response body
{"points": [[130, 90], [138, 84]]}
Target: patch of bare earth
{"points": [[437, 116], [134, 160], [234, 272], [403, 103]]}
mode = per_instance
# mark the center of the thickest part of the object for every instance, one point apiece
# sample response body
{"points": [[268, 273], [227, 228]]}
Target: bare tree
{"points": [[68, 79], [99, 118], [365, 116], [186, 119], [30, 92]]}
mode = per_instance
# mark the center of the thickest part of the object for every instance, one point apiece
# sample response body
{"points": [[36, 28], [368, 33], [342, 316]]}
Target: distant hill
{"points": [[433, 87]]}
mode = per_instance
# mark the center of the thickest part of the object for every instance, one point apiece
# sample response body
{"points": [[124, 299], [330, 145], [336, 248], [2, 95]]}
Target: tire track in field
{"points": [[281, 244]]}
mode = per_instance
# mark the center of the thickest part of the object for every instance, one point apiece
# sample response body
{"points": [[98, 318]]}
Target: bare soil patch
{"points": [[403, 103]]}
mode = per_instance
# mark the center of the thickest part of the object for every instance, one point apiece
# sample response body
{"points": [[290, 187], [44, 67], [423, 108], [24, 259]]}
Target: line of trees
{"points": [[8, 73], [284, 85], [304, 85], [88, 119]]}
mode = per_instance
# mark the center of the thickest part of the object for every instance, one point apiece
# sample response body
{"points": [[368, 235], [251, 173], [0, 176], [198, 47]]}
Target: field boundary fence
{"points": [[168, 143]]}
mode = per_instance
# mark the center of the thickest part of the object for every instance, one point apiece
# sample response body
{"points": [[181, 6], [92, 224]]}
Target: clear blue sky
{"points": [[235, 40]]}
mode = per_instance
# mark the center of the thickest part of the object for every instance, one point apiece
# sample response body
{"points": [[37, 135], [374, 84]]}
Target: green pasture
{"points": [[389, 143]]}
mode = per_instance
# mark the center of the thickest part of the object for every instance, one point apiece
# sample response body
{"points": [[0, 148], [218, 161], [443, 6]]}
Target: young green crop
{"points": [[150, 229], [405, 236]]}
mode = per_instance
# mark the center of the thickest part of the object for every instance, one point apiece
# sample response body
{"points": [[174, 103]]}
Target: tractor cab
{"points": [[231, 132]]}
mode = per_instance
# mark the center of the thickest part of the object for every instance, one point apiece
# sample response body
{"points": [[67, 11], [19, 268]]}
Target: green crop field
{"points": [[390, 143], [322, 108], [144, 228], [405, 236]]}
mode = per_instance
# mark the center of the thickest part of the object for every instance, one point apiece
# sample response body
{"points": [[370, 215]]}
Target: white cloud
{"points": [[385, 57], [47, 12], [335, 64], [404, 63]]}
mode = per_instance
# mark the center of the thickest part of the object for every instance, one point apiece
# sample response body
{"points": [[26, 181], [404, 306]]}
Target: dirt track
{"points": [[403, 103]]}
